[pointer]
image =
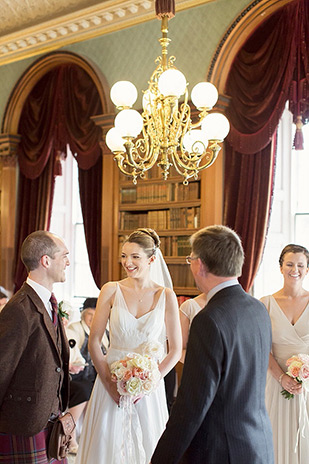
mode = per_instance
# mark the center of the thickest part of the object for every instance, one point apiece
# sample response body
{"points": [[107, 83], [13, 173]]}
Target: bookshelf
{"points": [[175, 211]]}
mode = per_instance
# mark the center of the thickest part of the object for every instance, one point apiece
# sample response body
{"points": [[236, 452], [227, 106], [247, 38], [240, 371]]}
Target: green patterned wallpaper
{"points": [[130, 53]]}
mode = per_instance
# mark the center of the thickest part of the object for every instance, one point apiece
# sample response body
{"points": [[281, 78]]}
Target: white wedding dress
{"points": [[289, 418], [106, 426]]}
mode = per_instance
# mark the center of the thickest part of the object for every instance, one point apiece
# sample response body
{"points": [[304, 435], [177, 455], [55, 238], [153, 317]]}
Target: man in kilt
{"points": [[34, 355]]}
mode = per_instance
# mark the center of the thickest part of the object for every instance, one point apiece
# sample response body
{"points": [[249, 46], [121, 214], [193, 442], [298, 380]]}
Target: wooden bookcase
{"points": [[175, 211]]}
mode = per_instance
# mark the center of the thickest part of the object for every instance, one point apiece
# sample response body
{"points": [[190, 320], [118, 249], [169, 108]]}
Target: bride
{"points": [[140, 312]]}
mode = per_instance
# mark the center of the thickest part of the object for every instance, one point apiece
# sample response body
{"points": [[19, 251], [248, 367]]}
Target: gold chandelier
{"points": [[164, 133]]}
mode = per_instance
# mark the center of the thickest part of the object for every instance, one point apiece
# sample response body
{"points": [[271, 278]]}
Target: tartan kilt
{"points": [[19, 449]]}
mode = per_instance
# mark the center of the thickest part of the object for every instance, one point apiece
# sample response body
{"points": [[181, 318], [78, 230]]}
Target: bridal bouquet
{"points": [[138, 374], [298, 369]]}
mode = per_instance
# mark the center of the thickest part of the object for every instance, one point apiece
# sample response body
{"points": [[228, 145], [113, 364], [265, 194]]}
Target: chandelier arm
{"points": [[184, 120], [130, 159], [147, 139], [119, 158], [191, 162], [134, 152], [196, 125]]}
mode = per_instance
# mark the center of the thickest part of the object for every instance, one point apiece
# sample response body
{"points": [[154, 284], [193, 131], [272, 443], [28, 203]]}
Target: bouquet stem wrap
{"points": [[131, 432]]}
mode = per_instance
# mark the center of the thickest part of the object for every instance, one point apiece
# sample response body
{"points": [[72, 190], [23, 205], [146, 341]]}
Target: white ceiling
{"points": [[31, 27], [16, 15]]}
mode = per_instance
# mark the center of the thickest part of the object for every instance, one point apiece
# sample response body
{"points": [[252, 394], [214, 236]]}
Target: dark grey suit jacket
{"points": [[219, 416], [34, 377]]}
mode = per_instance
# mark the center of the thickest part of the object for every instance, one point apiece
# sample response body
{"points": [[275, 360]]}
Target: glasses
{"points": [[190, 258]]}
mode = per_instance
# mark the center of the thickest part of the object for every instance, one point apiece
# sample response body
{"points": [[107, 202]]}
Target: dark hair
{"points": [[3, 295], [291, 248], [220, 249], [36, 245], [146, 238], [89, 303]]}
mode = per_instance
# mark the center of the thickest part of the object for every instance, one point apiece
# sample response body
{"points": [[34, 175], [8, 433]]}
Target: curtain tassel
{"points": [[298, 143], [57, 163]]}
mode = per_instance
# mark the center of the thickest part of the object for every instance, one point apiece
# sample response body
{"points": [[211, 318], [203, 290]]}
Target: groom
{"points": [[34, 355], [219, 416]]}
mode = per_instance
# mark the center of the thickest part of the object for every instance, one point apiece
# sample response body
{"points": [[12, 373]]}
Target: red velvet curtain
{"points": [[57, 112], [90, 189], [261, 80]]}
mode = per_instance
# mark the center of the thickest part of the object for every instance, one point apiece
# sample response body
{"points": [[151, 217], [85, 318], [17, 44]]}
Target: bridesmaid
{"points": [[289, 312], [187, 311]]}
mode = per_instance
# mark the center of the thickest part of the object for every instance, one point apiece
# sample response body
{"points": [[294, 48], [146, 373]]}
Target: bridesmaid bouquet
{"points": [[298, 369], [138, 374]]}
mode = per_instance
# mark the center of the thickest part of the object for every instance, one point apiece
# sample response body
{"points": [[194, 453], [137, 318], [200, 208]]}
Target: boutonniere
{"points": [[63, 308]]}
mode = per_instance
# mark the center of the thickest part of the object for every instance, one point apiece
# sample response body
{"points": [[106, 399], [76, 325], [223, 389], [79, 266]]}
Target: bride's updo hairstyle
{"points": [[148, 239]]}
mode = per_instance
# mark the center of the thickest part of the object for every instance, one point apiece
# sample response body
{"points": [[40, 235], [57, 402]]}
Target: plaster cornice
{"points": [[88, 23]]}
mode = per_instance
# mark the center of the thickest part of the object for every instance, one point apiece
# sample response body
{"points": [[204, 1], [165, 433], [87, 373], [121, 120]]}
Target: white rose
{"points": [[118, 370], [148, 386], [134, 386], [154, 350], [155, 375], [140, 361]]}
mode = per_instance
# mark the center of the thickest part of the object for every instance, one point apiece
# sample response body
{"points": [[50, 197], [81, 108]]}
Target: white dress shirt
{"points": [[217, 288], [43, 293]]}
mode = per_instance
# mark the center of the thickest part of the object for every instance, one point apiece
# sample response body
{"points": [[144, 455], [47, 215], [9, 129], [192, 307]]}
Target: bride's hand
{"points": [[291, 385]]}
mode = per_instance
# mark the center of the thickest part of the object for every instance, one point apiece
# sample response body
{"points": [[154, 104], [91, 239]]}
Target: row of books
{"points": [[175, 246], [158, 193], [173, 218], [181, 276]]}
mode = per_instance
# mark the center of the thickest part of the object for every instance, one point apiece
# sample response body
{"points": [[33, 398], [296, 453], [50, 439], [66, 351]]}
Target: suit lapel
{"points": [[39, 305]]}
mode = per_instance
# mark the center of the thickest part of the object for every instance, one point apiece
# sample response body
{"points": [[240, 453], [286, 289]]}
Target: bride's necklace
{"points": [[140, 297]]}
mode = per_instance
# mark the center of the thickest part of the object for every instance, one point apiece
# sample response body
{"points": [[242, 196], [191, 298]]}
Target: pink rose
{"points": [[304, 358], [122, 387], [137, 372], [127, 375], [304, 372]]}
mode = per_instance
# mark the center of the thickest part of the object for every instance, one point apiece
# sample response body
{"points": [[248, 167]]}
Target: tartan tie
{"points": [[54, 305]]}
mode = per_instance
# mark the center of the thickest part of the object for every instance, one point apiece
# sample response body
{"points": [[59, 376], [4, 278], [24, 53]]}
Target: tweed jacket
{"points": [[34, 365], [219, 416]]}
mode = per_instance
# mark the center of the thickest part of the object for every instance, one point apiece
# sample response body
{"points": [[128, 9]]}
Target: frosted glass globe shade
{"points": [[129, 123], [114, 141], [172, 83], [195, 141], [204, 95], [216, 126], [123, 94], [148, 100]]}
